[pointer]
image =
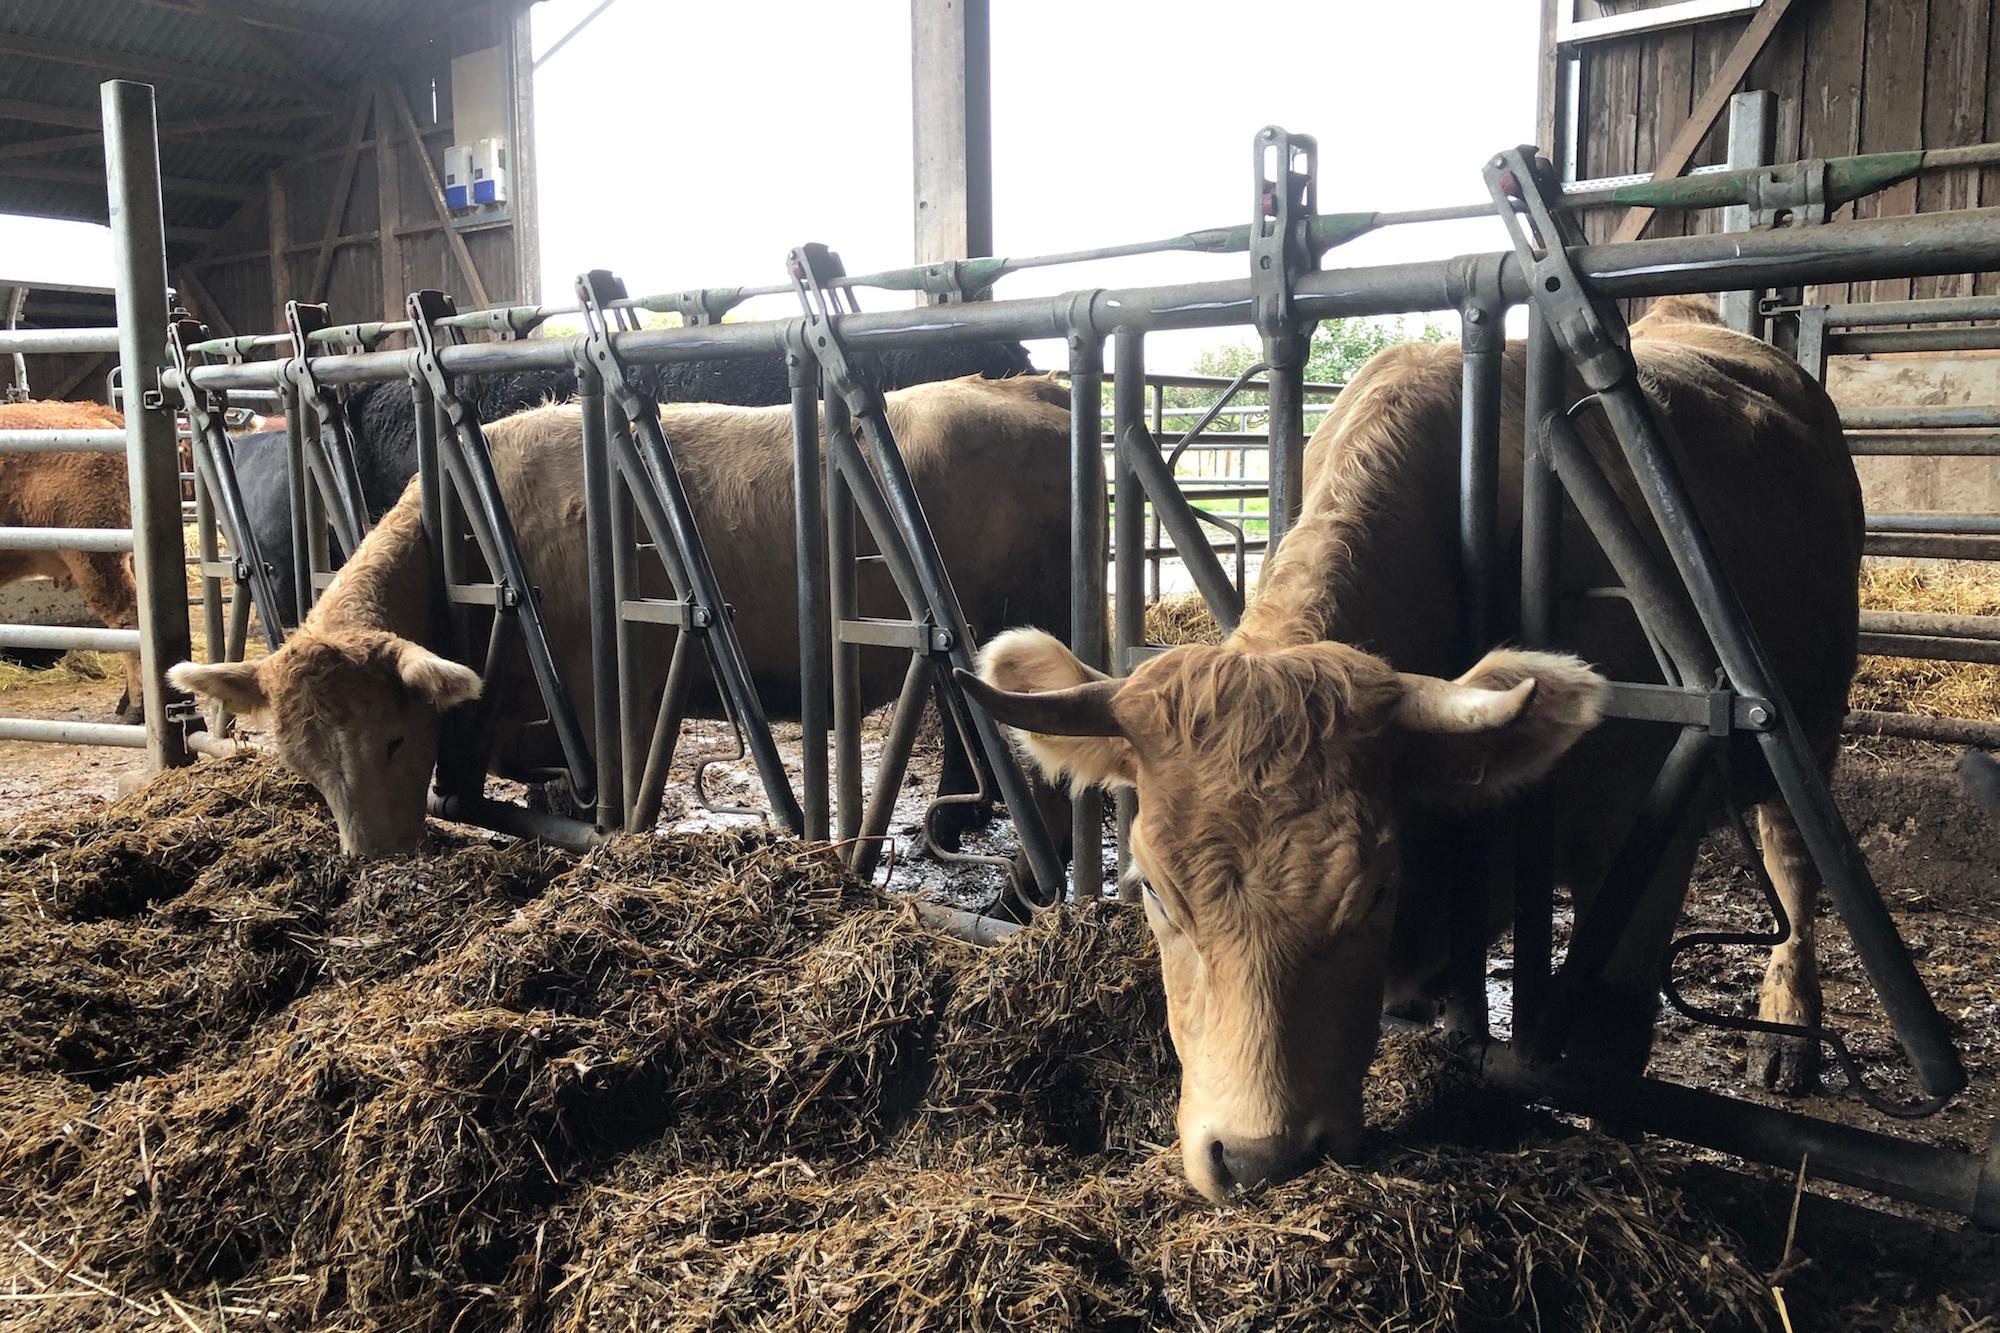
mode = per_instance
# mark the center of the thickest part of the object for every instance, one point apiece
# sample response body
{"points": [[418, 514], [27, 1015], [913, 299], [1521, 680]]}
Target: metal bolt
{"points": [[1475, 314], [1759, 715]]}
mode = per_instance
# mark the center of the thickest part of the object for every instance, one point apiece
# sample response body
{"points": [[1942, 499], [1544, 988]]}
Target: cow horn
{"points": [[1449, 708], [1080, 710]]}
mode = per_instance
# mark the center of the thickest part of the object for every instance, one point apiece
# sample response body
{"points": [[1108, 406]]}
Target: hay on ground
{"points": [[1181, 617], [1939, 689], [711, 1082]]}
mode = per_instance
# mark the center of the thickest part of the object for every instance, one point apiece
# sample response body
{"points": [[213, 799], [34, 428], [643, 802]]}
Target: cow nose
{"points": [[1242, 1164]]}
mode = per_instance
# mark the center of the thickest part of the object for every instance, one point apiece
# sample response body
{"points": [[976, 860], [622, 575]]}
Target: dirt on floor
{"points": [[1854, 1261]]}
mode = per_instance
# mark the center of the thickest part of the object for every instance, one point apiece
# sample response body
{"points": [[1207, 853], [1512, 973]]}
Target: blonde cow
{"points": [[1300, 785]]}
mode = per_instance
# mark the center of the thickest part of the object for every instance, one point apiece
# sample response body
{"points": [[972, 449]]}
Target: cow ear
{"points": [[233, 684], [1088, 750], [439, 681], [1496, 730]]}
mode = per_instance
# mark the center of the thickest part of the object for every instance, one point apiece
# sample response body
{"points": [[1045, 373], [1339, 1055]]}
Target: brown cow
{"points": [[354, 696], [73, 490], [1302, 786]]}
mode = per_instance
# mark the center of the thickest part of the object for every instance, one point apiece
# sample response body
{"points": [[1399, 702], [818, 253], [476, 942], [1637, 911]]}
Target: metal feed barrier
{"points": [[1286, 293]]}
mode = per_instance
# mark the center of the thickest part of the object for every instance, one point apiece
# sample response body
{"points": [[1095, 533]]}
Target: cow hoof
{"points": [[1788, 1065], [127, 711], [948, 824]]}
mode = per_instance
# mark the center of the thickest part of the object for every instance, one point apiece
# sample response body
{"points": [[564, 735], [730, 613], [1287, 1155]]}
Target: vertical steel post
{"points": [[1541, 554], [1086, 580], [605, 609], [1483, 345], [632, 734], [843, 597], [152, 460], [1752, 137], [1128, 407], [1285, 355], [295, 485], [209, 550], [809, 537]]}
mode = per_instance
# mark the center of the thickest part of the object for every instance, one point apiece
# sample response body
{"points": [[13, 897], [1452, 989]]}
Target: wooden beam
{"points": [[343, 188], [952, 123], [1548, 86], [389, 204], [281, 59], [301, 22], [61, 174], [522, 183], [453, 241], [207, 308], [1756, 35], [94, 365], [148, 67], [278, 226]]}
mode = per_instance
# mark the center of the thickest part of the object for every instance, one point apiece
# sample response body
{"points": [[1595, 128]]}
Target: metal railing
{"points": [[1917, 431], [154, 536]]}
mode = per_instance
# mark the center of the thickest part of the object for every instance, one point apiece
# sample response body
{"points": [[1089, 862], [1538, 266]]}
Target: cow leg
{"points": [[956, 777], [1615, 1013], [1791, 981], [1054, 808], [105, 580]]}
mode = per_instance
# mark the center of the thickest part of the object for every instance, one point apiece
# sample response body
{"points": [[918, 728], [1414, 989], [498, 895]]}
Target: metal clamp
{"points": [[1788, 196], [332, 463], [1286, 172], [1592, 335]]}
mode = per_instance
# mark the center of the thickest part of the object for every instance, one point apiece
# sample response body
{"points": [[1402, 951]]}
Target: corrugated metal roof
{"points": [[203, 68]]}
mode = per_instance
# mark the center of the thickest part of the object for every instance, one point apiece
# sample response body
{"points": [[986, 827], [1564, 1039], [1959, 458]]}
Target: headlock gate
{"points": [[1719, 683]]}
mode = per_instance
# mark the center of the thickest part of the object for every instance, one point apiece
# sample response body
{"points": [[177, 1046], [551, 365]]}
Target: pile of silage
{"points": [[713, 1082]]}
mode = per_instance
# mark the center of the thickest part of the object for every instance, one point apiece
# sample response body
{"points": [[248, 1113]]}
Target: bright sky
{"points": [[748, 127], [742, 129]]}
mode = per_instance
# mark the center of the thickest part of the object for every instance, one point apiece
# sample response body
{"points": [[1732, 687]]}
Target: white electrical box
{"points": [[489, 171], [457, 177]]}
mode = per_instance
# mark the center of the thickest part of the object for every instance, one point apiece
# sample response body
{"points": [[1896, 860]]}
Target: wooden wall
{"points": [[369, 174], [1850, 76]]}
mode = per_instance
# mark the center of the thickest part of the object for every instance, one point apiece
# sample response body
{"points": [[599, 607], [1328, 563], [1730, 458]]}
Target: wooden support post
{"points": [[952, 138], [357, 126], [475, 288], [389, 204], [206, 307], [278, 226], [520, 51], [1707, 107]]}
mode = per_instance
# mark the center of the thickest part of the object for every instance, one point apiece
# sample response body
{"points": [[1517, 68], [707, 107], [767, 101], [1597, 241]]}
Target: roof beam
{"points": [[281, 59], [303, 23], [70, 175], [212, 130], [126, 62]]}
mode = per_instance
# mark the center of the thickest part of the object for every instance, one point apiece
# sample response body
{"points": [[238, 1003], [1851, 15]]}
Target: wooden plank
{"points": [[1708, 107], [952, 124], [475, 287], [1548, 86], [282, 60], [337, 207], [1987, 182], [1830, 120], [1674, 84], [1780, 70], [1892, 112], [207, 308], [278, 227], [63, 174], [85, 369], [300, 21], [389, 204], [105, 60], [1954, 113]]}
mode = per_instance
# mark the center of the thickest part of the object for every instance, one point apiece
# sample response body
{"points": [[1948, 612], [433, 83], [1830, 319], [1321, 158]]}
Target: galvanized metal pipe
{"points": [[1924, 444], [667, 723], [1088, 554], [1965, 525], [1921, 727], [1932, 310], [139, 251], [62, 441], [1930, 647], [68, 637], [516, 821], [68, 539], [892, 763], [1922, 622], [1128, 405], [1920, 546], [843, 604], [61, 342], [809, 537], [1913, 340], [61, 732], [604, 605], [1920, 418]]}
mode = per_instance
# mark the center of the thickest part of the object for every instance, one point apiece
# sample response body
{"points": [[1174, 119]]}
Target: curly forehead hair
{"points": [[310, 680], [1261, 718]]}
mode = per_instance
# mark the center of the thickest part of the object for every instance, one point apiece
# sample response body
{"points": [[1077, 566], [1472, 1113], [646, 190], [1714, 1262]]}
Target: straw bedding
{"points": [[706, 1082]]}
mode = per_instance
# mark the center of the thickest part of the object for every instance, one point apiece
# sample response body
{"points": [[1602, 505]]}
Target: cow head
{"points": [[355, 713], [1267, 785]]}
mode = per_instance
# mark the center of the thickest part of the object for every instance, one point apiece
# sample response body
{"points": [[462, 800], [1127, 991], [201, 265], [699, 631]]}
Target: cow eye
{"points": [[394, 746]]}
